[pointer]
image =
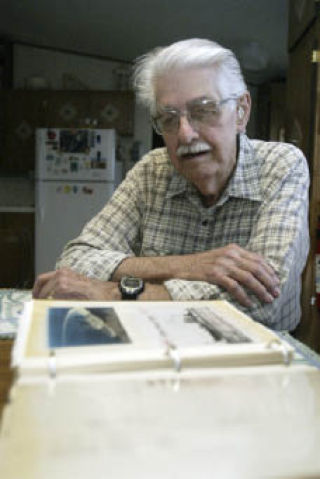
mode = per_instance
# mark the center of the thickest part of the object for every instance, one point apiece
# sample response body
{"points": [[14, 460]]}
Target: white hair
{"points": [[192, 53]]}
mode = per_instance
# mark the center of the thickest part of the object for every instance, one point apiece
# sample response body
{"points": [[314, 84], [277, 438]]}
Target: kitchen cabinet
{"points": [[303, 130], [17, 247], [5, 63], [302, 13], [22, 111], [270, 123]]}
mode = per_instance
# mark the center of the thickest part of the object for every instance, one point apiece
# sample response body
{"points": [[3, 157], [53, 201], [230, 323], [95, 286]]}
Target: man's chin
{"points": [[205, 189]]}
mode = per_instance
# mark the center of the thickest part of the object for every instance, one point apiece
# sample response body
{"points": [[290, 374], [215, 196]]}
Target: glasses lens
{"points": [[205, 113], [167, 122]]}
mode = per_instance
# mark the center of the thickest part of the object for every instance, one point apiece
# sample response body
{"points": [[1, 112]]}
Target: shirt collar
{"points": [[243, 184]]}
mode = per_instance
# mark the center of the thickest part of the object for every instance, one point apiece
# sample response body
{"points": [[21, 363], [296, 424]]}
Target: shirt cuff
{"points": [[182, 290], [95, 264]]}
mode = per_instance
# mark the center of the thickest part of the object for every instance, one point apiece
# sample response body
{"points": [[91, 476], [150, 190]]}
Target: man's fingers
{"points": [[257, 287], [259, 264], [236, 291], [252, 271], [49, 284], [42, 285], [238, 276], [260, 273]]}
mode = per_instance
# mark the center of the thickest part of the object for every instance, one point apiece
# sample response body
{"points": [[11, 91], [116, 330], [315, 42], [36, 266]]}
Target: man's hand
{"points": [[231, 267], [67, 284], [234, 269]]}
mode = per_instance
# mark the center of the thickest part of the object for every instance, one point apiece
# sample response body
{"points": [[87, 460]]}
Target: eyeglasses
{"points": [[199, 113]]}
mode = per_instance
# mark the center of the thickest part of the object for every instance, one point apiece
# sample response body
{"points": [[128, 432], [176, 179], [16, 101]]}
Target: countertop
{"points": [[16, 195]]}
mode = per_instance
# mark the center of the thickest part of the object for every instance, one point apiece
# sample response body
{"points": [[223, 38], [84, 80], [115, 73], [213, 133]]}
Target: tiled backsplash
{"points": [[16, 191]]}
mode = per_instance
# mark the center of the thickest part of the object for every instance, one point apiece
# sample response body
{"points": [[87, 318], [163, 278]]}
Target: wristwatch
{"points": [[131, 287]]}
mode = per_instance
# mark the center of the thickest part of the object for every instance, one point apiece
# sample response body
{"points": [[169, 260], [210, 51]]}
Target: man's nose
{"points": [[186, 132]]}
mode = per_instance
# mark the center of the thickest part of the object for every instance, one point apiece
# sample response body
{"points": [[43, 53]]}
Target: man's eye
{"points": [[202, 112], [168, 119]]}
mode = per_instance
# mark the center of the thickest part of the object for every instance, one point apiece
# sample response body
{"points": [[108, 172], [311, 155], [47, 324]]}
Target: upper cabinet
{"points": [[5, 63], [22, 111], [303, 130], [302, 13]]}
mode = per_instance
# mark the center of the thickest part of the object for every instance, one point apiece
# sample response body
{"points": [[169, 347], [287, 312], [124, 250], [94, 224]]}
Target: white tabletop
{"points": [[225, 423]]}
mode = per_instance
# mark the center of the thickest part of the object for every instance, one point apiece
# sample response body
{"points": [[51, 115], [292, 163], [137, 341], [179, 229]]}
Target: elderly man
{"points": [[213, 215]]}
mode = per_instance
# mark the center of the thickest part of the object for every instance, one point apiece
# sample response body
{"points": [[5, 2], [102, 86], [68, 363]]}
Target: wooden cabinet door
{"points": [[302, 118], [17, 250], [300, 95], [115, 110], [314, 331], [21, 112], [301, 15]]}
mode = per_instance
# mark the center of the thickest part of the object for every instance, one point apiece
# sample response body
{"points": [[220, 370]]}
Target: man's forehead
{"points": [[176, 88]]}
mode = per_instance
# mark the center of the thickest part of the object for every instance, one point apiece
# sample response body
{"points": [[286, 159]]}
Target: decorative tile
{"points": [[110, 113], [68, 111], [24, 131]]}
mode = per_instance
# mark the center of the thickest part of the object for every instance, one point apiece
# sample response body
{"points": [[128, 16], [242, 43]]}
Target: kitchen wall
{"points": [[40, 68], [61, 70], [35, 67]]}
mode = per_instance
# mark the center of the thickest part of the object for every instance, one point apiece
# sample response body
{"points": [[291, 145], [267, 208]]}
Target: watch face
{"points": [[131, 282], [130, 287]]}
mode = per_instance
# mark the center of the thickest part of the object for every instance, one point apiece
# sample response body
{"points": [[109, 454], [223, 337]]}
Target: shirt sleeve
{"points": [[280, 234], [112, 235]]}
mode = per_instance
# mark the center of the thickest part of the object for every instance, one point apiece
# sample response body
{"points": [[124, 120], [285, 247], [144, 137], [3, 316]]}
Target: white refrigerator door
{"points": [[62, 209], [75, 154]]}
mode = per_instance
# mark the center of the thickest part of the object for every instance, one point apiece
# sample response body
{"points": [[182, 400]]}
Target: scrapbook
{"points": [[156, 389], [57, 337]]}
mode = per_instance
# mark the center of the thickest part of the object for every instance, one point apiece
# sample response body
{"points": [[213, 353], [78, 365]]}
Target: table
{"points": [[247, 423], [242, 423], [11, 305]]}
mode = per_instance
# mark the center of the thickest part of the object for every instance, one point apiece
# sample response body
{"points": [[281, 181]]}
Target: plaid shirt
{"points": [[156, 212]]}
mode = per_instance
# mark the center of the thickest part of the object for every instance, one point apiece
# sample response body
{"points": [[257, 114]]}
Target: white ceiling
{"points": [[125, 29]]}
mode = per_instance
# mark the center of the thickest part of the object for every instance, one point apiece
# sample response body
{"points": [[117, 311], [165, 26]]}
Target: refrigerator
{"points": [[75, 177]]}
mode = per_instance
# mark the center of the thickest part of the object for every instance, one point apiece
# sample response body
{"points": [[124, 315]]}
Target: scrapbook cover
{"points": [[57, 337]]}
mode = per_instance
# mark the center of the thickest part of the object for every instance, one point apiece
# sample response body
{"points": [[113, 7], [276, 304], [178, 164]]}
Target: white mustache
{"points": [[193, 148]]}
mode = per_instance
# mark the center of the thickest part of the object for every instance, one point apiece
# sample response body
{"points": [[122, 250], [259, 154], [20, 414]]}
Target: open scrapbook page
{"points": [[69, 336]]}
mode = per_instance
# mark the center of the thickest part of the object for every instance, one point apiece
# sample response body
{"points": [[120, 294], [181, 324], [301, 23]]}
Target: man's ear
{"points": [[243, 112]]}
